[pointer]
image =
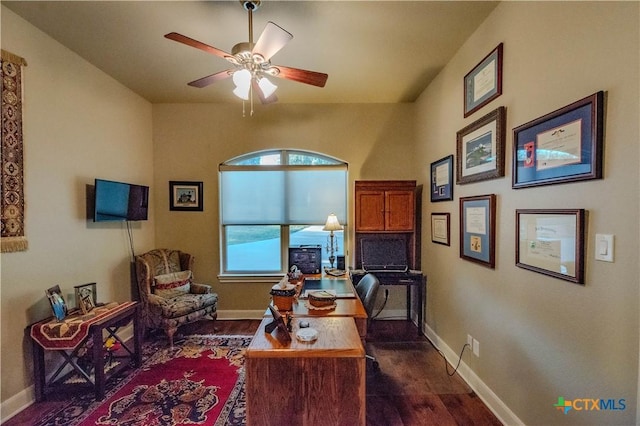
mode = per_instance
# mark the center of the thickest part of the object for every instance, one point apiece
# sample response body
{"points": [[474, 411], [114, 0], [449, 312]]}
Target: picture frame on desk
{"points": [[278, 324], [478, 229], [563, 146]]}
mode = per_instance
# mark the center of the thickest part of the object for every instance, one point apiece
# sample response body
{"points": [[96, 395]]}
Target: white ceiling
{"points": [[373, 51]]}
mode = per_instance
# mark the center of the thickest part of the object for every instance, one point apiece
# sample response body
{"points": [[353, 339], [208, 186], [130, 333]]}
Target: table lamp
{"points": [[332, 225]]}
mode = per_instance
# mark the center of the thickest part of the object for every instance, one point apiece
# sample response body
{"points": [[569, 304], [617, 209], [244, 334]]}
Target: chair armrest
{"points": [[200, 288]]}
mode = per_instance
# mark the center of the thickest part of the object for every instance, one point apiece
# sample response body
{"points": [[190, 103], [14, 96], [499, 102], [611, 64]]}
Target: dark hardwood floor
{"points": [[412, 386]]}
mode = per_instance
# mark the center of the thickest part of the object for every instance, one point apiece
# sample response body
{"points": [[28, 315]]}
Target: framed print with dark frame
{"points": [[186, 196], [484, 82], [278, 324], [56, 300], [440, 228], [563, 146], [86, 297], [480, 148], [551, 242], [442, 179], [478, 229]]}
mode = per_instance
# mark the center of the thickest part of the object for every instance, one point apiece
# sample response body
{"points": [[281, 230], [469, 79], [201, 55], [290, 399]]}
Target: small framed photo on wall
{"points": [[185, 196], [478, 229], [442, 179]]}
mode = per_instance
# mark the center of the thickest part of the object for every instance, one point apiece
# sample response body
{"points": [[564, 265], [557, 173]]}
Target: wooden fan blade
{"points": [[256, 89], [210, 79], [272, 39], [197, 44], [302, 76]]}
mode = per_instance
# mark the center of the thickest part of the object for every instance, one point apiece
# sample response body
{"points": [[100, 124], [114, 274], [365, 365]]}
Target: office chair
{"points": [[367, 290]]}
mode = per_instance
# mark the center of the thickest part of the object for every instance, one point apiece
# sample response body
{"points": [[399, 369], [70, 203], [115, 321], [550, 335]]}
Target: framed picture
{"points": [[278, 324], [440, 228], [563, 146], [480, 148], [58, 306], [551, 242], [185, 196], [442, 179], [86, 297], [484, 82], [478, 229]]}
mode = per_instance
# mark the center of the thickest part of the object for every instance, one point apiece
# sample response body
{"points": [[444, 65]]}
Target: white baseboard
{"points": [[484, 392]]}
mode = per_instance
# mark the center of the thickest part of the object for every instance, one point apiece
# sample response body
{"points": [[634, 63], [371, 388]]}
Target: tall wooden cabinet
{"points": [[389, 209]]}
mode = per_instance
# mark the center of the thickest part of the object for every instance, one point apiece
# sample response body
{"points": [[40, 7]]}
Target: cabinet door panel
{"points": [[370, 211], [399, 214]]}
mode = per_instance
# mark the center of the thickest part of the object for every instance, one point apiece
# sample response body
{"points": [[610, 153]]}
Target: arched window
{"points": [[276, 199]]}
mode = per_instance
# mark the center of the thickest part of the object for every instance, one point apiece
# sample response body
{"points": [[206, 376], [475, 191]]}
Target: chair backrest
{"points": [[367, 290], [158, 262]]}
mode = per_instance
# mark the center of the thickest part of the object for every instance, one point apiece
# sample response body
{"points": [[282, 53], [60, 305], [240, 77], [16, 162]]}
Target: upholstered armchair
{"points": [[168, 295]]}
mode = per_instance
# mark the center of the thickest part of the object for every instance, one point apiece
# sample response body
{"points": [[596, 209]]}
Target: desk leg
{"points": [[98, 362], [420, 305], [409, 305], [137, 337], [38, 369]]}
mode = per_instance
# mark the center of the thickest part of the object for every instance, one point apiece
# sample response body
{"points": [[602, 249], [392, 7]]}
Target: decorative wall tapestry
{"points": [[12, 202]]}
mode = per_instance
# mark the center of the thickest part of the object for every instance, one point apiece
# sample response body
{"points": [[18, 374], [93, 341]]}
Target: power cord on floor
{"points": [[446, 363]]}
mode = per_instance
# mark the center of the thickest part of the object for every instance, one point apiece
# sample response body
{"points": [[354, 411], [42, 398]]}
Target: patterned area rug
{"points": [[199, 382]]}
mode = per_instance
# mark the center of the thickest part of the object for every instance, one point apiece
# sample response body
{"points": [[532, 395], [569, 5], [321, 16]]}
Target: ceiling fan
{"points": [[252, 62]]}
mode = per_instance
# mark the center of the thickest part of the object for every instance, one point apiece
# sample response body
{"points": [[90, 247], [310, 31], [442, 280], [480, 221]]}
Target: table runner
{"points": [[70, 332]]}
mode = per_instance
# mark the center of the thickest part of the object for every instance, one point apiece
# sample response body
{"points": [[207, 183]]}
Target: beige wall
{"points": [[79, 124], [192, 140], [540, 337]]}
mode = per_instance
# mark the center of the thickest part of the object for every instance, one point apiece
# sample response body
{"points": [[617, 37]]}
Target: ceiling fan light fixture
{"points": [[267, 87], [242, 80]]}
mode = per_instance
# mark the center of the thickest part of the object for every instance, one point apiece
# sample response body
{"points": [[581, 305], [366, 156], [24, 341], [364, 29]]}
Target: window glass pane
{"points": [[261, 159], [252, 197], [253, 248], [305, 235], [312, 195], [298, 158]]}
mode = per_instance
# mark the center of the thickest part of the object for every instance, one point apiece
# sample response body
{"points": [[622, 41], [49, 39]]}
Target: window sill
{"points": [[250, 278]]}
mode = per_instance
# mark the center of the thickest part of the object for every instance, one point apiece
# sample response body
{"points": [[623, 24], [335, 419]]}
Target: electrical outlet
{"points": [[476, 348], [470, 341]]}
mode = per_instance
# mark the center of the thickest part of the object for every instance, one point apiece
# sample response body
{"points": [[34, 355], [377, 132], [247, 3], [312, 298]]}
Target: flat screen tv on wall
{"points": [[119, 201]]}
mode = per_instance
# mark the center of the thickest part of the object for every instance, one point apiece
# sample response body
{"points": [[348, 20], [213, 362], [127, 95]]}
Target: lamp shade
{"points": [[332, 224], [242, 80], [267, 87]]}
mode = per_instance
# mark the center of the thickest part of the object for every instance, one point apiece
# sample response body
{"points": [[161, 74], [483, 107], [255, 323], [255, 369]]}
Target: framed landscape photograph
{"points": [[480, 148], [551, 242], [563, 146], [484, 82], [442, 179], [186, 196], [478, 229], [440, 228]]}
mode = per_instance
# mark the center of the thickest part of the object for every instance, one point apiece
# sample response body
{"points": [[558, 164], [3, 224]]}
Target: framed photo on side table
{"points": [[484, 82], [480, 148], [56, 300], [86, 297], [186, 196], [563, 146], [440, 228], [442, 179], [551, 242], [478, 229]]}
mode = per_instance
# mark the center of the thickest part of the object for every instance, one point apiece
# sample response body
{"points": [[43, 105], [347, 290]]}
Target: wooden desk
{"points": [[296, 383], [84, 329], [347, 307]]}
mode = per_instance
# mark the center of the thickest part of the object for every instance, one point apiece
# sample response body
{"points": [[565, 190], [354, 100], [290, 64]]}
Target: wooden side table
{"points": [[100, 324]]}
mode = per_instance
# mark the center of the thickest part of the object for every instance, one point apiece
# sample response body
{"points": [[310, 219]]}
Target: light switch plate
{"points": [[604, 247]]}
